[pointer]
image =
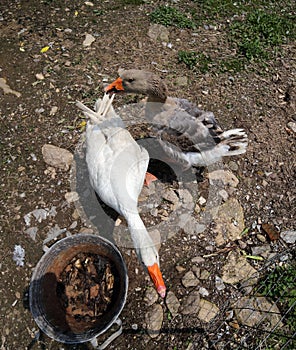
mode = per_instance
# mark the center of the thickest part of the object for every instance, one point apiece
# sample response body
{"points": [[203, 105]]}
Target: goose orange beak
{"points": [[116, 86], [149, 178], [157, 279]]}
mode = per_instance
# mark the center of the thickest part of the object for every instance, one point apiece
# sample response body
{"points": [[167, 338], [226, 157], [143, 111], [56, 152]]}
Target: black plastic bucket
{"points": [[44, 296]]}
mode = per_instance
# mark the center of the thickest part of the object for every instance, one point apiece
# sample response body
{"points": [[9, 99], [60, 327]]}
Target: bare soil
{"points": [[259, 99]]}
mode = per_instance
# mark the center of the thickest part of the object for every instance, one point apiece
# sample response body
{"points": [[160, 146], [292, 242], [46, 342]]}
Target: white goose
{"points": [[117, 167], [188, 135]]}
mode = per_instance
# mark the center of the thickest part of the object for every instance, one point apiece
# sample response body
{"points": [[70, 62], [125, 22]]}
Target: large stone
{"points": [[189, 224], [237, 269], [171, 196], [186, 199], [151, 296], [189, 280], [226, 177], [158, 32], [229, 222], [57, 157], [207, 310], [255, 311], [288, 236], [172, 303], [262, 250], [154, 318], [190, 303]]}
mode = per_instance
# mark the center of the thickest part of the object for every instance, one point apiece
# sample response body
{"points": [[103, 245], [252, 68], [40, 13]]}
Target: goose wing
{"points": [[189, 133]]}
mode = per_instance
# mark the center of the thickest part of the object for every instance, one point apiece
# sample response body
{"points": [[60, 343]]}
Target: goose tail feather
{"points": [[236, 139], [102, 107]]}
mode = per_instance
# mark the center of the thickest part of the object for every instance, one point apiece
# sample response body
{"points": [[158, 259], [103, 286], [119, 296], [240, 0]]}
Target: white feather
{"points": [[117, 166]]}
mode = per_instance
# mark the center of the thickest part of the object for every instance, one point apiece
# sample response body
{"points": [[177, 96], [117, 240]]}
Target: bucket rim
{"points": [[40, 319]]}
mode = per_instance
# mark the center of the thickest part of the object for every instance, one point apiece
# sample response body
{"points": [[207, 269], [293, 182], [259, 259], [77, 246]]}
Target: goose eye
{"points": [[130, 80]]}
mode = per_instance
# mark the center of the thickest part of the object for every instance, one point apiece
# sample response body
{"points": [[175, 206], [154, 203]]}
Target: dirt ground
{"points": [[259, 99]]}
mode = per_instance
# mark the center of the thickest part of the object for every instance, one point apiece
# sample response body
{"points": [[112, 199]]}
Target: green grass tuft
{"points": [[260, 34], [170, 16]]}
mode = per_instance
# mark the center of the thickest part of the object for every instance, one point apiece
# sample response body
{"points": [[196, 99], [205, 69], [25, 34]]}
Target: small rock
{"points": [[231, 79], [154, 319], [261, 238], [186, 199], [52, 212], [237, 269], [232, 165], [202, 201], [39, 76], [242, 244], [33, 156], [197, 260], [40, 110], [172, 303], [188, 224], [204, 274], [197, 209], [181, 81], [288, 236], [264, 183], [89, 39], [32, 232], [19, 255], [180, 268], [73, 225], [86, 230], [203, 292], [207, 311], [75, 214], [229, 222], [190, 303], [223, 194], [189, 280], [57, 157], [196, 271], [225, 176], [53, 233], [151, 296], [262, 250], [50, 171], [154, 212], [219, 283], [53, 110], [292, 126], [170, 196], [71, 197], [40, 214]]}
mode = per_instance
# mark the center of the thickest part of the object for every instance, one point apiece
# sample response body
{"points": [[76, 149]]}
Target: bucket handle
{"points": [[94, 341]]}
